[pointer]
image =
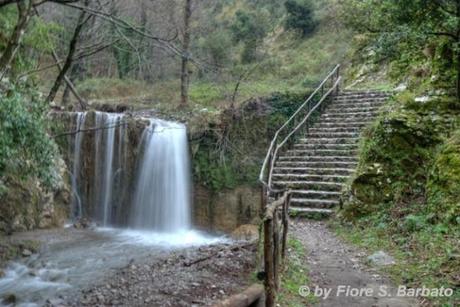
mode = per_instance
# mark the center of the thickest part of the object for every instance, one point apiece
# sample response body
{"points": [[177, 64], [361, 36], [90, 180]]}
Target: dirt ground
{"points": [[332, 263], [197, 277]]}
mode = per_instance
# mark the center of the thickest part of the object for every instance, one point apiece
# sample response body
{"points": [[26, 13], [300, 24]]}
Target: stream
{"points": [[72, 260]]}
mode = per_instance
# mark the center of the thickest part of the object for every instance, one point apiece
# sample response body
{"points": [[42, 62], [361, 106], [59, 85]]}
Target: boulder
{"points": [[381, 258], [246, 233]]}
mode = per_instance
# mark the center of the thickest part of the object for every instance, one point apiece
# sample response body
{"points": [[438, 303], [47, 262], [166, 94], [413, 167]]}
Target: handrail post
{"points": [[268, 262]]}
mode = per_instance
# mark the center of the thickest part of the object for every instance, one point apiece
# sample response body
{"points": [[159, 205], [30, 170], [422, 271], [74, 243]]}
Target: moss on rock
{"points": [[397, 154], [444, 182]]}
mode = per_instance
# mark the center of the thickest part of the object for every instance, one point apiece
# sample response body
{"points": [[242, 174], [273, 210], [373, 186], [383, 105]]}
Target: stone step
{"points": [[355, 116], [333, 132], [322, 152], [346, 113], [345, 129], [313, 170], [327, 146], [319, 164], [341, 124], [310, 177], [314, 203], [354, 104], [309, 185], [324, 141], [364, 91], [310, 213], [361, 97], [339, 108], [319, 158], [312, 194], [350, 107], [364, 94], [322, 164]]}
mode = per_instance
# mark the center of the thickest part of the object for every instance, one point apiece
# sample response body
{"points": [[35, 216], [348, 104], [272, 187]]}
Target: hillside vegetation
{"points": [[405, 195]]}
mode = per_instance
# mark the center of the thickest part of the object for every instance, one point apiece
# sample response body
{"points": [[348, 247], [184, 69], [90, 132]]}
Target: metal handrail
{"points": [[274, 148]]}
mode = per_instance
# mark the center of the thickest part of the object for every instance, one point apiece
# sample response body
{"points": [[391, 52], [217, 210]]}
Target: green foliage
{"points": [[300, 16], [397, 155], [40, 37], [418, 37], [426, 255], [444, 182], [218, 46], [26, 150], [405, 195], [100, 88], [249, 28], [232, 151], [295, 275]]}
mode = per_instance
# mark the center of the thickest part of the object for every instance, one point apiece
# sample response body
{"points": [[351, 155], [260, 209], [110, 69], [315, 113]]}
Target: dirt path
{"points": [[332, 264]]}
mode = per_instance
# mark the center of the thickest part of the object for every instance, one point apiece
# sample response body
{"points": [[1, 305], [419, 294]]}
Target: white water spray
{"points": [[162, 196]]}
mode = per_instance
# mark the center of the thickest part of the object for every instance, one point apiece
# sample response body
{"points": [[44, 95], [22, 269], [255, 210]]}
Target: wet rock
{"points": [[26, 253], [9, 299], [246, 232], [381, 258], [82, 223]]}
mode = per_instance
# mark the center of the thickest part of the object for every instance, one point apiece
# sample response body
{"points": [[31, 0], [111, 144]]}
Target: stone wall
{"points": [[27, 205], [226, 210]]}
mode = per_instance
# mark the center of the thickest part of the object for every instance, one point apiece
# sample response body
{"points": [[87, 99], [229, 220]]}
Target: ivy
{"points": [[26, 150]]}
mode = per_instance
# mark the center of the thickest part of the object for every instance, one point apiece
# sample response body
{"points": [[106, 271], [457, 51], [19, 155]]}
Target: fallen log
{"points": [[252, 296]]}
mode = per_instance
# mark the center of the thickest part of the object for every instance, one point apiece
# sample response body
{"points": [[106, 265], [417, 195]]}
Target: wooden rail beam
{"points": [[252, 296]]}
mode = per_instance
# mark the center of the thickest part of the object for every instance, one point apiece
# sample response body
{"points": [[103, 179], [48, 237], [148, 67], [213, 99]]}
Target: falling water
{"points": [[107, 179], [76, 201], [162, 196], [156, 196]]}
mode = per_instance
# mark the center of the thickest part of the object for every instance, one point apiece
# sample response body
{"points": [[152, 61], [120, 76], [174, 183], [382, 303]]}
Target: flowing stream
{"points": [[139, 198]]}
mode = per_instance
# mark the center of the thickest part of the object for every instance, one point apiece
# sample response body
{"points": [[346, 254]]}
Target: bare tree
{"points": [[68, 62], [24, 13], [184, 77]]}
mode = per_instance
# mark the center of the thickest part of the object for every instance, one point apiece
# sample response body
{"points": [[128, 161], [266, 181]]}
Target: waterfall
{"points": [[76, 201], [111, 121], [146, 188], [162, 196]]}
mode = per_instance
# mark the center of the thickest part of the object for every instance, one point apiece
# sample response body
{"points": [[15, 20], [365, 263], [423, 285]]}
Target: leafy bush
{"points": [[249, 28], [232, 151], [300, 16], [397, 156], [444, 182], [26, 150]]}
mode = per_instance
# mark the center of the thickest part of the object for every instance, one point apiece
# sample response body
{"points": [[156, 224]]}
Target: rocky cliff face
{"points": [[27, 205], [226, 210]]}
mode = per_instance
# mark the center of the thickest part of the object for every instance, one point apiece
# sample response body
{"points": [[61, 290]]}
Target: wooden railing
{"points": [[275, 203], [298, 123], [276, 226]]}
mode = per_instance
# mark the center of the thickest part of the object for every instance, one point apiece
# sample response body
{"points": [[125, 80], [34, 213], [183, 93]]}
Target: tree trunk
{"points": [[184, 77], [70, 54], [75, 74], [24, 12], [458, 51]]}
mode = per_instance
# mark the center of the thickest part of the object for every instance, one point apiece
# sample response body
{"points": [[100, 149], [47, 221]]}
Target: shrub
{"points": [[26, 150], [300, 16]]}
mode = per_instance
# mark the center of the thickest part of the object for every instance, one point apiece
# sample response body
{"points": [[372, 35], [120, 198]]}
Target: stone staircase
{"points": [[318, 166]]}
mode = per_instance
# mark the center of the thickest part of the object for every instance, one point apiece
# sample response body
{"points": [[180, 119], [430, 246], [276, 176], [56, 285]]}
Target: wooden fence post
{"points": [[269, 269], [276, 250], [285, 226]]}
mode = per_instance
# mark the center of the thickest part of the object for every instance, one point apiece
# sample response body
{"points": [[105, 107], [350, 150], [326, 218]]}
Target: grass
{"points": [[294, 276], [286, 62], [428, 257]]}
